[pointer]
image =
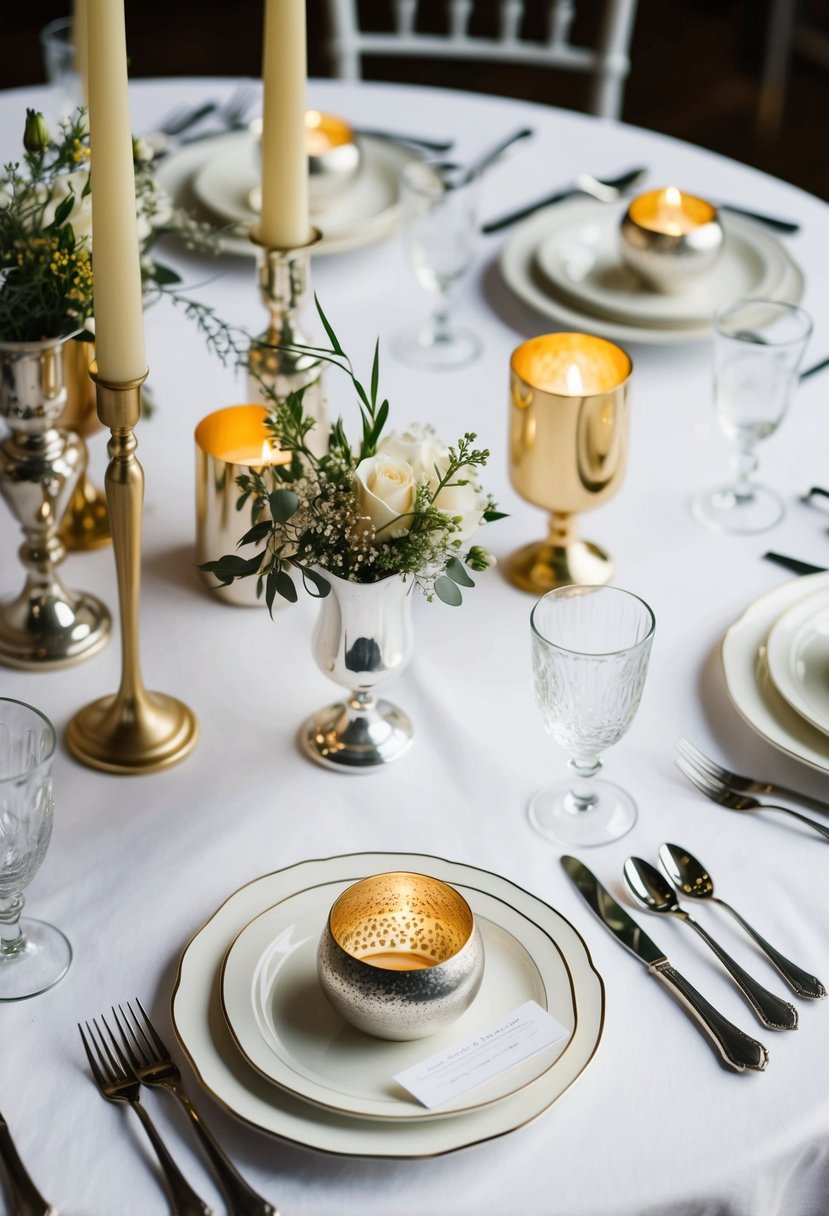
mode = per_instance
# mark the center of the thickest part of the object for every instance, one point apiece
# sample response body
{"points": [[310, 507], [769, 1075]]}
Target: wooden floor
{"points": [[694, 68]]}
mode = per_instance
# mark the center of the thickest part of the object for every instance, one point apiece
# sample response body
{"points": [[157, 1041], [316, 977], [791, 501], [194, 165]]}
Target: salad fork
{"points": [[116, 1084], [743, 785], [717, 792], [152, 1064]]}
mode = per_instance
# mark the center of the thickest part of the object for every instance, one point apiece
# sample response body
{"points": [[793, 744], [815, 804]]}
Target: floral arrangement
{"points": [[46, 231], [394, 503]]}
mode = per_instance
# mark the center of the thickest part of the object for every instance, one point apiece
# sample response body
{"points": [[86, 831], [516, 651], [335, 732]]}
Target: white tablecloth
{"points": [[136, 866]]}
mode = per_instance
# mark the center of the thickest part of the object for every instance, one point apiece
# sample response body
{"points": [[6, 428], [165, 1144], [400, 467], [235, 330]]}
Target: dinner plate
{"points": [[202, 1031], [744, 657], [798, 658], [284, 1025], [525, 278], [581, 260], [212, 180]]}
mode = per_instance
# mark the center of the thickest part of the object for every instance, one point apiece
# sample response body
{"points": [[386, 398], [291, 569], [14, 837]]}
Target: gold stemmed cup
{"points": [[568, 440]]}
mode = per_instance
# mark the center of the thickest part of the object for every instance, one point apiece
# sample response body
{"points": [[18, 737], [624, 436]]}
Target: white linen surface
{"points": [[654, 1127]]}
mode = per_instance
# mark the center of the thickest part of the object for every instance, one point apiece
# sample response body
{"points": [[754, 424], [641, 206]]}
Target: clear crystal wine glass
{"points": [[590, 651], [33, 955], [758, 346], [440, 225]]}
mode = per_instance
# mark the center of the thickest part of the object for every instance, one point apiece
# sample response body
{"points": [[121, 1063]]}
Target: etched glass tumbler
{"points": [[758, 346], [440, 227], [33, 955], [590, 651]]}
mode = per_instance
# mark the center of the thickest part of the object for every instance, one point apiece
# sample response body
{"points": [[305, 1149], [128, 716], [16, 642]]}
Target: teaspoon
{"points": [[693, 880], [655, 894]]}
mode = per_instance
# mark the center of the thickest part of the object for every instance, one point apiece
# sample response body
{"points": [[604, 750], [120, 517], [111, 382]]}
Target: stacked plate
{"points": [[250, 1014], [564, 262], [776, 664], [215, 181]]}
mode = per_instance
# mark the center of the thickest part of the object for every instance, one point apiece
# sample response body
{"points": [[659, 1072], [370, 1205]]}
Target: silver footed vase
{"points": [[363, 635], [45, 625]]}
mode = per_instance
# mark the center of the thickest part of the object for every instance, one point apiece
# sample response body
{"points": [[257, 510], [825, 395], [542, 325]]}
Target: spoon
{"points": [[607, 190], [692, 879], [655, 894]]}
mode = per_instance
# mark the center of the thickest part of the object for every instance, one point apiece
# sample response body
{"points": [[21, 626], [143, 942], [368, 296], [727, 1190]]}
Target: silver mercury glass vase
{"points": [[362, 636], [45, 626]]}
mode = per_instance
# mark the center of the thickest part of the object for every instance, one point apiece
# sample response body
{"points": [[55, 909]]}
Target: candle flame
{"points": [[313, 118], [673, 197], [575, 383]]}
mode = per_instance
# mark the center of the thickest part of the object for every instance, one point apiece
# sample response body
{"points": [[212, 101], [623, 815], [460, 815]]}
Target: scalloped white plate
{"points": [[798, 658]]}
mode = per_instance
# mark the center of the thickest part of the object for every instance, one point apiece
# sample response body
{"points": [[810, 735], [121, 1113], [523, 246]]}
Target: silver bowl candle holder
{"points": [[669, 238], [401, 956], [334, 158]]}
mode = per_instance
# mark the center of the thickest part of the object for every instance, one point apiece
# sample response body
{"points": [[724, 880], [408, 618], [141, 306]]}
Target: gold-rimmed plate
{"points": [[285, 1027], [202, 1031]]}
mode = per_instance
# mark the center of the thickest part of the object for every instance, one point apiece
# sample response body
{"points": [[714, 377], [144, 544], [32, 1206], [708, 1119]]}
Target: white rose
{"points": [[465, 502], [420, 449], [386, 489]]}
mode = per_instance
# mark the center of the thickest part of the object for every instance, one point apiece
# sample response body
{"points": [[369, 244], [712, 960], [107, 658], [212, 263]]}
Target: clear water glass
{"points": [[33, 955], [57, 44], [758, 348], [440, 226], [590, 652]]}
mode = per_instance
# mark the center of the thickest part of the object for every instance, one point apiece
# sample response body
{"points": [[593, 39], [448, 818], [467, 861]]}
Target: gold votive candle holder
{"points": [[669, 238], [568, 442], [401, 955], [228, 443]]}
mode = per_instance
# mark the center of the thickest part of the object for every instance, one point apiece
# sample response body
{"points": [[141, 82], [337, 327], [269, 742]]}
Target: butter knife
{"points": [[737, 1049], [28, 1200]]}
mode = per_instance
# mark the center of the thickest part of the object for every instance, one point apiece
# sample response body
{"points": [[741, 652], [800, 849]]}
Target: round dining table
{"points": [[653, 1125]]}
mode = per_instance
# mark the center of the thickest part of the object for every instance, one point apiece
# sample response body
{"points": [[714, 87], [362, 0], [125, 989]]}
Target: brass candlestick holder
{"points": [[567, 450], [134, 731], [275, 367], [46, 625]]}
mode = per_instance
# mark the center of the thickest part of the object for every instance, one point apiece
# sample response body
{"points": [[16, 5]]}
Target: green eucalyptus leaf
{"points": [[456, 570], [491, 516], [326, 324], [283, 504], [448, 591], [256, 533], [321, 585], [284, 584], [164, 275], [63, 210]]}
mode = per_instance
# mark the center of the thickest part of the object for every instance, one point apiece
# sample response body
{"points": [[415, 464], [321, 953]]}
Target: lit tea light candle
{"points": [[324, 132], [669, 237]]}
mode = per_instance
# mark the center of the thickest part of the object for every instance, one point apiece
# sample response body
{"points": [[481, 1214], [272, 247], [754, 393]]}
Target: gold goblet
{"points": [[567, 450], [86, 522]]}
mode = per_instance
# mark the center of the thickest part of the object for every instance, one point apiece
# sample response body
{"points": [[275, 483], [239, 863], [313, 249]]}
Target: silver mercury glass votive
{"points": [[669, 238], [401, 956]]}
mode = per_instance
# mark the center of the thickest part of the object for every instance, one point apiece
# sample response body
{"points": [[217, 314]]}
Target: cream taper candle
{"points": [[119, 317], [284, 221]]}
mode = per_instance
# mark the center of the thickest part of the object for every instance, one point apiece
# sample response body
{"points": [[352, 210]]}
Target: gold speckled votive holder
{"points": [[228, 443], [401, 956], [670, 238]]}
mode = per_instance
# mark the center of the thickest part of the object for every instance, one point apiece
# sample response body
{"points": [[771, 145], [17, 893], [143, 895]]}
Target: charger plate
{"points": [[212, 180], [202, 1031], [798, 658], [750, 685], [285, 1027]]}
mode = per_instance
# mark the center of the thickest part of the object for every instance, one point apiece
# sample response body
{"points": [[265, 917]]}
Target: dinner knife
{"points": [[793, 563], [737, 1049], [28, 1200], [775, 222]]}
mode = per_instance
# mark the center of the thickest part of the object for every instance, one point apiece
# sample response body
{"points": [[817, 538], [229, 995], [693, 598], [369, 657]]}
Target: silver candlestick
{"points": [[46, 625]]}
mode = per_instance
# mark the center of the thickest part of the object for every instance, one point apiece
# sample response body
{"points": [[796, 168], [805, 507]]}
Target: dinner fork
{"points": [[116, 1084], [717, 792], [744, 785], [233, 114], [152, 1064]]}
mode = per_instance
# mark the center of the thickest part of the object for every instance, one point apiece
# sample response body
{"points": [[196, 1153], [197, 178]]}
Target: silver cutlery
{"points": [[737, 1049], [488, 159], [175, 124], [117, 1084], [717, 792], [744, 785], [655, 894], [692, 879], [608, 190], [797, 567], [789, 227], [817, 491], [812, 371], [152, 1064], [233, 115], [27, 1199], [417, 141]]}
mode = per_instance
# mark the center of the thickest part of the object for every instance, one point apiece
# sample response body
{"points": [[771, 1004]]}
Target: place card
{"points": [[513, 1038]]}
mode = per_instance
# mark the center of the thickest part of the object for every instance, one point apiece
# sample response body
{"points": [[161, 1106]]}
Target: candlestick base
{"points": [[132, 735]]}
